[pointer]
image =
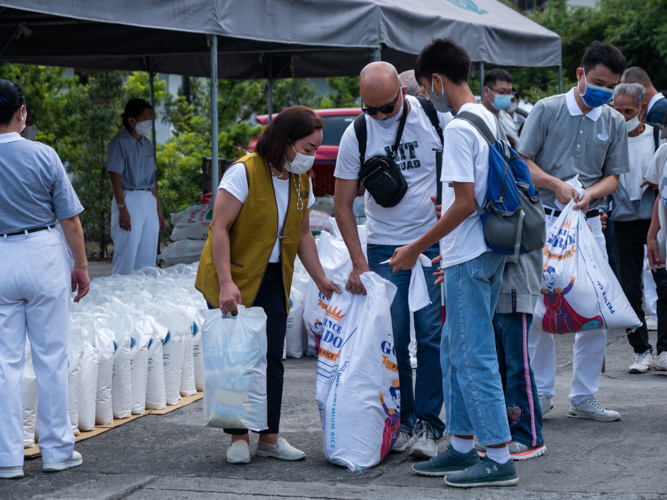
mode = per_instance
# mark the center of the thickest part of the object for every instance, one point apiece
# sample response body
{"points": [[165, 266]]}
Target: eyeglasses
{"points": [[501, 92], [386, 109]]}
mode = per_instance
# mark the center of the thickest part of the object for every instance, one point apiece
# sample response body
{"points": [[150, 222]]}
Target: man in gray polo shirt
{"points": [[566, 135]]}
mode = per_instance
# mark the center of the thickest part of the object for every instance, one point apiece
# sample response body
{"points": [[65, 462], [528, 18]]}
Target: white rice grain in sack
{"points": [[88, 389], [579, 290], [156, 398], [29, 397], [103, 339], [235, 362], [188, 366], [357, 386], [177, 324], [197, 353], [121, 380], [74, 358], [142, 336], [192, 223]]}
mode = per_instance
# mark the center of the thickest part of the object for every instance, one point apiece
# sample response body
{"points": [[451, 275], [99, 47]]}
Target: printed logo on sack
{"points": [[561, 241], [323, 302], [133, 343], [332, 339], [194, 329], [389, 350], [115, 346], [167, 338], [150, 343]]}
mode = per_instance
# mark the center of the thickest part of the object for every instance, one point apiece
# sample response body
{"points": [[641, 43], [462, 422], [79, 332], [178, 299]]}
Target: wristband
{"points": [[121, 205]]}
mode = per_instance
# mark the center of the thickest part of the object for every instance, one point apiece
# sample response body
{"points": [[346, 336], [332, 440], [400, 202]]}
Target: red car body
{"points": [[336, 120]]}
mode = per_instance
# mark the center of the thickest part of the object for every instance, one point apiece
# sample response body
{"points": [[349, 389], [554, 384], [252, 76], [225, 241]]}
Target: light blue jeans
{"points": [[473, 390]]}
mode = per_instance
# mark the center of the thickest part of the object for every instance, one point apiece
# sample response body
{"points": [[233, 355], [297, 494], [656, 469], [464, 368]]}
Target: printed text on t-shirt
{"points": [[406, 158]]}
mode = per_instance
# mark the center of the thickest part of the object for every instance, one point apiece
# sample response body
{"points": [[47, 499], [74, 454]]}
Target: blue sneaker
{"points": [[448, 462], [485, 473]]}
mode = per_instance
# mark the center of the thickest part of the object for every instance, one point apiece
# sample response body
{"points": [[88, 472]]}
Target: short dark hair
{"points": [[495, 75], [11, 100], [289, 126], [444, 56], [133, 109], [603, 53], [635, 74]]}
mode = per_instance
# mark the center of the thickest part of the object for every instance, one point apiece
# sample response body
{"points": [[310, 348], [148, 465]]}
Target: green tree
{"points": [[344, 92]]}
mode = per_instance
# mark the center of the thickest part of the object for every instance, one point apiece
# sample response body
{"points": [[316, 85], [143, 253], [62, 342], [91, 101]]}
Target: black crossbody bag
{"points": [[380, 175]]}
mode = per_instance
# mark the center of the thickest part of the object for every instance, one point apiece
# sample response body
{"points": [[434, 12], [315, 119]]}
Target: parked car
{"points": [[336, 120]]}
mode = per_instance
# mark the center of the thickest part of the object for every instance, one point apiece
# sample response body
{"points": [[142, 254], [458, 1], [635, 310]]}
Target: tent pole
{"points": [[270, 89], [481, 78], [151, 77], [214, 117], [377, 54], [560, 79]]}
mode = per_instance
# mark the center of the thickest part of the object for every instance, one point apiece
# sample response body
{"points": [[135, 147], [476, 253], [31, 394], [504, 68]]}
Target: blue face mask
{"points": [[501, 101], [595, 96], [390, 121]]}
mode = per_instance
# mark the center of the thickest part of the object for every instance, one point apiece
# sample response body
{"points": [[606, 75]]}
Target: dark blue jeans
{"points": [[523, 408], [426, 402]]}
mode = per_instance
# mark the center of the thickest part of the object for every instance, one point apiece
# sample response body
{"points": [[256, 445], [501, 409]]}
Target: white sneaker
{"points": [[642, 364], [238, 452], [660, 362], [424, 445], [75, 461], [402, 442], [592, 409], [11, 472], [281, 450], [546, 404]]}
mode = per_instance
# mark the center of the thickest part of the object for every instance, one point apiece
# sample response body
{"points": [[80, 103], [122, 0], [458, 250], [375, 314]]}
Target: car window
{"points": [[334, 126]]}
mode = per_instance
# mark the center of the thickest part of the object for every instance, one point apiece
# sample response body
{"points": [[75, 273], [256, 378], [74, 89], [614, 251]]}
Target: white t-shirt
{"points": [[414, 215], [235, 182], [465, 159], [656, 173], [640, 152]]}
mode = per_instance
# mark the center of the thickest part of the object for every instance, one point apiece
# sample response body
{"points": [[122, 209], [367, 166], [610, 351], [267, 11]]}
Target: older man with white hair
{"points": [[631, 211], [398, 126]]}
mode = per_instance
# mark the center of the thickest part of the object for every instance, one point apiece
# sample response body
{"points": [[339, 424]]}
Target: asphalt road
{"points": [[175, 456]]}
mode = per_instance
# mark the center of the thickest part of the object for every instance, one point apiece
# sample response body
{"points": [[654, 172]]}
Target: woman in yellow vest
{"points": [[260, 223]]}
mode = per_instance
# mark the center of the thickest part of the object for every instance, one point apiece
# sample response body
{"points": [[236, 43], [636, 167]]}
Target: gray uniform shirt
{"points": [[563, 142], [34, 188], [132, 159]]}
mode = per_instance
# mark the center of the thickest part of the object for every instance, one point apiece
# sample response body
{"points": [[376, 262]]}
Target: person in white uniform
{"points": [[35, 287], [136, 215]]}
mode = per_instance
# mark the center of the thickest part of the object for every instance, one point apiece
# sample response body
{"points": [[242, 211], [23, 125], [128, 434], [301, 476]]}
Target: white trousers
{"points": [[137, 248], [34, 297], [588, 351]]}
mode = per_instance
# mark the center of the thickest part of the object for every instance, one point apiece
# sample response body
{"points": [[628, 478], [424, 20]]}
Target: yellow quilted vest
{"points": [[253, 235]]}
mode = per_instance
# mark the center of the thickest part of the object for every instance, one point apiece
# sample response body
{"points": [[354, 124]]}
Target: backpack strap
{"points": [[360, 132], [656, 136], [432, 114]]}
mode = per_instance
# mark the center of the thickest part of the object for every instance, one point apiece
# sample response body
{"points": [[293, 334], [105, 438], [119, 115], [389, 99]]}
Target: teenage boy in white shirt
{"points": [[387, 228], [566, 135], [474, 399]]}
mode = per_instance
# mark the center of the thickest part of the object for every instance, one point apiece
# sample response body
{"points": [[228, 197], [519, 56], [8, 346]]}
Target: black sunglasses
{"points": [[386, 109]]}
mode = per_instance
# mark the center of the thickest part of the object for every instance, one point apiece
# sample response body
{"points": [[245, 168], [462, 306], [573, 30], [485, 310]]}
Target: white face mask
{"points": [[301, 163], [632, 123], [512, 107], [440, 102], [144, 128], [30, 132]]}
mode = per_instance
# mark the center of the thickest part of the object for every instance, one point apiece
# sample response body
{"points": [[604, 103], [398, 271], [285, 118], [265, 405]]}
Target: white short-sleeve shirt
{"points": [[235, 182]]}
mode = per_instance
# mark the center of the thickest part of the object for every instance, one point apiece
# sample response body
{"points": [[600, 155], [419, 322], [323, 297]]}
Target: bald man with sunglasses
{"points": [[385, 103]]}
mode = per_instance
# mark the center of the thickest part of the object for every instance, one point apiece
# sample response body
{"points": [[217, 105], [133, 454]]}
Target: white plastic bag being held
{"points": [[235, 361], [579, 289], [88, 388], [29, 396], [74, 358], [357, 386]]}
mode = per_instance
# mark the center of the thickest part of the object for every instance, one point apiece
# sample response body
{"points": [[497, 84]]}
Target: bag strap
{"points": [[479, 124], [360, 131], [401, 126], [432, 114], [656, 137]]}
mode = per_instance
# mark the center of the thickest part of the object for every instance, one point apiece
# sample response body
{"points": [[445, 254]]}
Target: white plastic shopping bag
{"points": [[357, 386], [579, 290], [235, 362]]}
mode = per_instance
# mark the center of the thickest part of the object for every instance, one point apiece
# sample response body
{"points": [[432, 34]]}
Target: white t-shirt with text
{"points": [[465, 159], [235, 182], [414, 215]]}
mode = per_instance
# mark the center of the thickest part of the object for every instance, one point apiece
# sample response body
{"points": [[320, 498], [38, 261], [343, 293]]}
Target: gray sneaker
{"points": [[546, 404], [402, 442], [593, 410], [448, 462], [423, 444], [485, 473]]}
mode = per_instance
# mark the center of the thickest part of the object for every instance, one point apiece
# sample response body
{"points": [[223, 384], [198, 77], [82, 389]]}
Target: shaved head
{"points": [[379, 83], [635, 74]]}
